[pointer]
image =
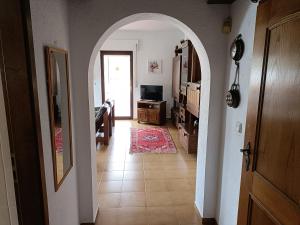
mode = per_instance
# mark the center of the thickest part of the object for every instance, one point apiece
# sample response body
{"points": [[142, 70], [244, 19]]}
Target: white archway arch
{"points": [[202, 188]]}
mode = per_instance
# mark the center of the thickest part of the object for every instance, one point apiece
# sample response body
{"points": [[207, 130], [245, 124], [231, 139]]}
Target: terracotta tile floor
{"points": [[145, 189]]}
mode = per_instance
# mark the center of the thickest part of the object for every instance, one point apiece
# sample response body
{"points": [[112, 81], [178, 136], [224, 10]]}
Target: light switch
{"points": [[239, 127]]}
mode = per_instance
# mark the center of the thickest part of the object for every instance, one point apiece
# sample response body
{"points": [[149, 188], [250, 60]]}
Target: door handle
{"points": [[246, 153]]}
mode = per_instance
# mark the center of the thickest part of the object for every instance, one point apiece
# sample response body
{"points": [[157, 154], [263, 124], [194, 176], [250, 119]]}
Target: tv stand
{"points": [[150, 111]]}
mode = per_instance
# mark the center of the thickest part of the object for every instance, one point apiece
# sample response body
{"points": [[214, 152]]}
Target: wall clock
{"points": [[237, 48]]}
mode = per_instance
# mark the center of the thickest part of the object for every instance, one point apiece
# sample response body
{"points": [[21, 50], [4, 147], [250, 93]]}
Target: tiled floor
{"points": [[145, 189]]}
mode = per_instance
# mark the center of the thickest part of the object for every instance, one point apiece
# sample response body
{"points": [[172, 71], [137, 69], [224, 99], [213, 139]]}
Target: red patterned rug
{"points": [[151, 140]]}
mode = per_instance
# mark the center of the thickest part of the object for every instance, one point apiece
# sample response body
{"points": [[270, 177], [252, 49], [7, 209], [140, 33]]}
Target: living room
{"points": [[146, 157]]}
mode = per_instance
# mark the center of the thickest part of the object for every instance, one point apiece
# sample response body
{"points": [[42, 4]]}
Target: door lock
{"points": [[246, 153]]}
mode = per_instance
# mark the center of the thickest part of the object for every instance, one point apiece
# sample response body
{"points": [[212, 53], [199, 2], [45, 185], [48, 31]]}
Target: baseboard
{"points": [[209, 221], [205, 221], [93, 222]]}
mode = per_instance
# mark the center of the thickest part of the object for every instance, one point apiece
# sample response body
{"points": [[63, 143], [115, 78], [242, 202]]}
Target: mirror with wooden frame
{"points": [[59, 113]]}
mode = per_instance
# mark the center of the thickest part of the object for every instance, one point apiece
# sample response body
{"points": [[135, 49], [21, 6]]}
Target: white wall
{"points": [[151, 45], [243, 15], [50, 28]]}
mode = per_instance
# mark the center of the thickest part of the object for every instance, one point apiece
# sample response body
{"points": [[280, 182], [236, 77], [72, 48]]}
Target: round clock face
{"points": [[233, 50], [237, 49]]}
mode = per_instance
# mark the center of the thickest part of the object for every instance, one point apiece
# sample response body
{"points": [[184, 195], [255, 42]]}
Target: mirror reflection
{"points": [[59, 109]]}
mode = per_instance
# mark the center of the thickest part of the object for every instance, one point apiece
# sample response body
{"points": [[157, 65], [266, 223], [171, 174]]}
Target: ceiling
{"points": [[148, 25]]}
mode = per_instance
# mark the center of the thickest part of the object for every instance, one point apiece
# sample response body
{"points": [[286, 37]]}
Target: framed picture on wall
{"points": [[154, 66]]}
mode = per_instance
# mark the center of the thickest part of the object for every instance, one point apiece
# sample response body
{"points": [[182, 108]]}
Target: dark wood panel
{"points": [[20, 93], [280, 120], [259, 217], [286, 211]]}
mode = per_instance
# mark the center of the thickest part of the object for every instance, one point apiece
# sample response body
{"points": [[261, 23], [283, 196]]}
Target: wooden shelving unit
{"points": [[186, 93]]}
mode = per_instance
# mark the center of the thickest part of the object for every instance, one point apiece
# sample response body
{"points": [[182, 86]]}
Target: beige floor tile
{"points": [[156, 186], [153, 165], [99, 176], [158, 199], [152, 157], [133, 186], [108, 217], [172, 157], [133, 216], [178, 185], [182, 197], [161, 216], [110, 186], [135, 158], [101, 166], [112, 175], [132, 166], [174, 165], [111, 166], [133, 175], [109, 200], [165, 180], [154, 174], [133, 199], [175, 174], [187, 215]]}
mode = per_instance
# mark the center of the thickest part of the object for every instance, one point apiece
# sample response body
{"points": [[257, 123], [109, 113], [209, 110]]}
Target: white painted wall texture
{"points": [[50, 28], [243, 15], [151, 45]]}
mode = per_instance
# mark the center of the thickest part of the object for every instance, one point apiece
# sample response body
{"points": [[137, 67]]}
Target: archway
{"points": [[203, 179]]}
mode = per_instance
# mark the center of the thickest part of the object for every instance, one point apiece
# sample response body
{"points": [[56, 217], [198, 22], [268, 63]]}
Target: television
{"points": [[152, 92]]}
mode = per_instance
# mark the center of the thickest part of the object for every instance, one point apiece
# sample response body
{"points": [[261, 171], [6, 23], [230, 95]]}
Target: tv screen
{"points": [[152, 92]]}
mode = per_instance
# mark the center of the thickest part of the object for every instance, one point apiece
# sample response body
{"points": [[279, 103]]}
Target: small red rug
{"points": [[151, 140], [58, 140]]}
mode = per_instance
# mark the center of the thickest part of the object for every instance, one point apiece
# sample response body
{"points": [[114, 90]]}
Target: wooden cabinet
{"points": [[188, 137], [153, 112], [142, 115], [176, 77], [153, 116], [185, 112], [193, 98]]}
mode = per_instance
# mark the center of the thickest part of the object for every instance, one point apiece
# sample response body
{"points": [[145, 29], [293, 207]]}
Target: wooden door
{"points": [[270, 189], [22, 111]]}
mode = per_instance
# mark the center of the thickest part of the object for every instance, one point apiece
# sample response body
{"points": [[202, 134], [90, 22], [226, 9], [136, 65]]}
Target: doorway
{"points": [[117, 81]]}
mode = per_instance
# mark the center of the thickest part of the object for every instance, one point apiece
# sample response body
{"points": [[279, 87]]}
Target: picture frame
{"points": [[155, 66]]}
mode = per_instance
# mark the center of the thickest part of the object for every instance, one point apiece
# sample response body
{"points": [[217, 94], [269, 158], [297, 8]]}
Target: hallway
{"points": [[145, 189]]}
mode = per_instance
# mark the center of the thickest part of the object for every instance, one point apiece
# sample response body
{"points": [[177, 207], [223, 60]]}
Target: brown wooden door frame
{"points": [[261, 201], [22, 111], [130, 53]]}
